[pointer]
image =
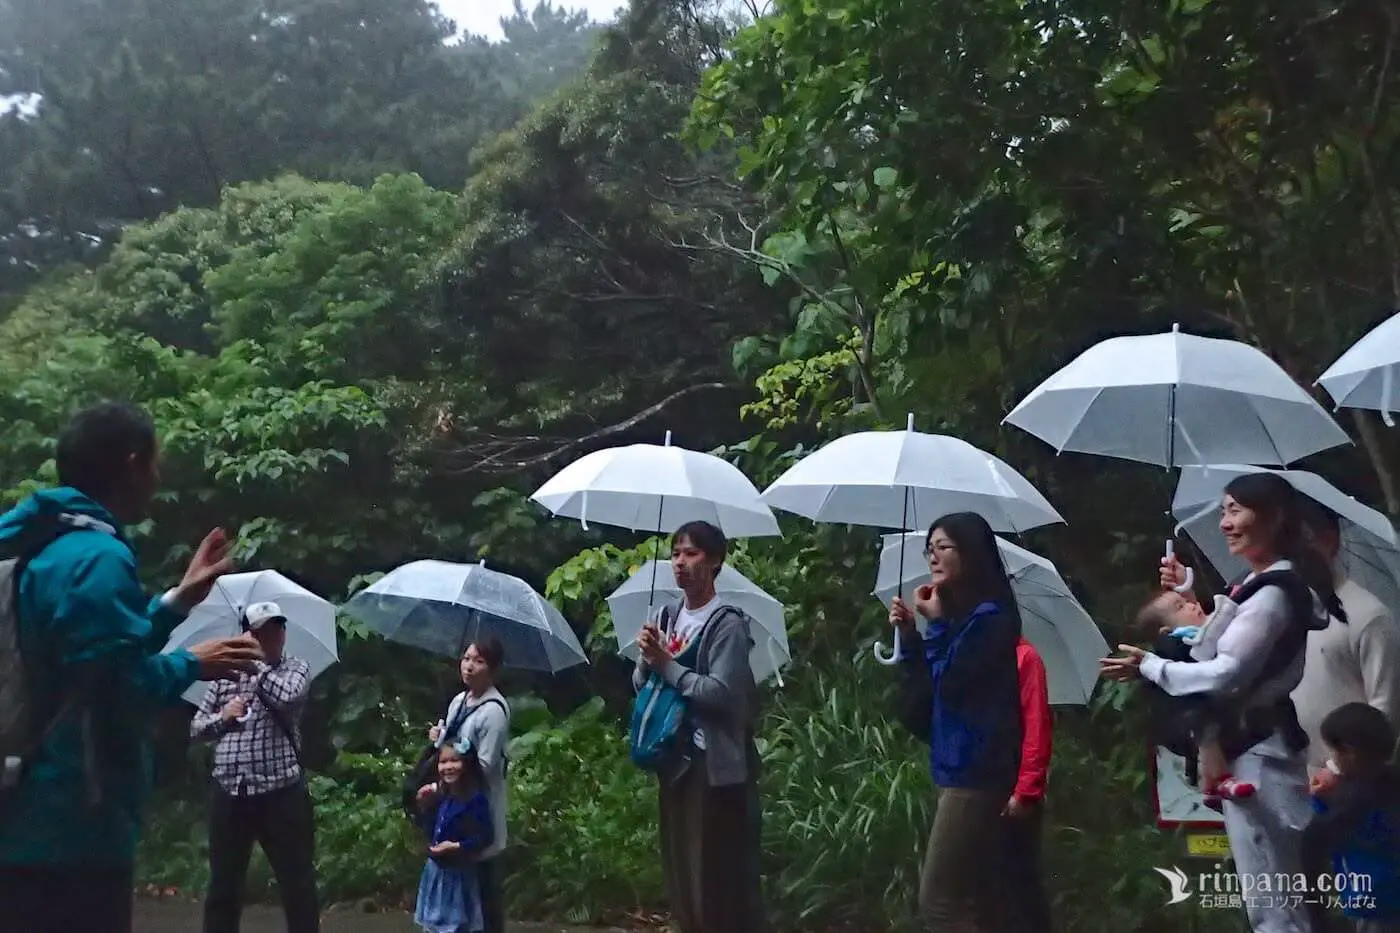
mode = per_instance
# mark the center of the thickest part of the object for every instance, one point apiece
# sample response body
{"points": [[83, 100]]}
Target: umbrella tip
{"points": [[668, 438], [910, 422], [1176, 327]]}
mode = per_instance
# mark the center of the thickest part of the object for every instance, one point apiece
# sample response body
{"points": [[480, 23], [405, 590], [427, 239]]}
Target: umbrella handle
{"points": [[890, 659], [1190, 580]]}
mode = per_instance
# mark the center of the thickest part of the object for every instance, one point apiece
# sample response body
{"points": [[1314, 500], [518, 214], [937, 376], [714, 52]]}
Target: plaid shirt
{"points": [[255, 757]]}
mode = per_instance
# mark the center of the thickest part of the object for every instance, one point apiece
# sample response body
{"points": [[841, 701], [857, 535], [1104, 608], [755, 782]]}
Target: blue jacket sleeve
{"points": [[107, 630]]}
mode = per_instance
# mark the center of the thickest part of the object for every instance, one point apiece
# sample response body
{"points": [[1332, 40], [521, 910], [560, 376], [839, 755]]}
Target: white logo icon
{"points": [[1181, 885]]}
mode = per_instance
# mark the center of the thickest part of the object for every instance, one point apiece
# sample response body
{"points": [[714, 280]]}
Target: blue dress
{"points": [[448, 898]]}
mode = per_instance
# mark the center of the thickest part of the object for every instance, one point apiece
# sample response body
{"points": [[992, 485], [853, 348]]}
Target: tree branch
{"points": [[494, 454]]}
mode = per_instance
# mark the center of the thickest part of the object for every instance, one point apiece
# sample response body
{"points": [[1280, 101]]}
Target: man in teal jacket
{"points": [[68, 834]]}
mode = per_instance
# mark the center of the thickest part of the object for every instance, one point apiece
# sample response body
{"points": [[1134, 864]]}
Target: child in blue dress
{"points": [[456, 816]]}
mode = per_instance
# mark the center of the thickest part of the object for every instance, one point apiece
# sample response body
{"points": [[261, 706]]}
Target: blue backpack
{"points": [[658, 732]]}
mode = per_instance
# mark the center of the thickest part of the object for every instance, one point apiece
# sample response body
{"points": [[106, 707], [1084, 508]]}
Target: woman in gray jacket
{"points": [[709, 803]]}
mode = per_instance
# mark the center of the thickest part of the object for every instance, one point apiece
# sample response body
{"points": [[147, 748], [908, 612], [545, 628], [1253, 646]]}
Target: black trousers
{"points": [[493, 902], [61, 900], [1025, 902], [280, 821]]}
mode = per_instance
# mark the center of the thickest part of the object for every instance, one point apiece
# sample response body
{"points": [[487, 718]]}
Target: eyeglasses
{"points": [[940, 548]]}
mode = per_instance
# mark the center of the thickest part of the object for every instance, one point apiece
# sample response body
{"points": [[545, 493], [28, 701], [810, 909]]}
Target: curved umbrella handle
{"points": [[1190, 581], [890, 659]]}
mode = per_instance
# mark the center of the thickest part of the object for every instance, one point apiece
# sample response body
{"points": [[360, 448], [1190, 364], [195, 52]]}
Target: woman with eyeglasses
{"points": [[962, 696]]}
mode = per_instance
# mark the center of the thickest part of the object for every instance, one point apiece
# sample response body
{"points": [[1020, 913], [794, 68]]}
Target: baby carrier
{"points": [[1178, 722]]}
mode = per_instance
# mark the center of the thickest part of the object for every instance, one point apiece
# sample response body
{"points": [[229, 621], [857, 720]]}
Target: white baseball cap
{"points": [[259, 614]]}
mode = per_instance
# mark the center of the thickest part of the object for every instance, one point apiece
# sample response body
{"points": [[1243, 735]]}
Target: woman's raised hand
{"points": [[901, 616], [1172, 573], [926, 601]]}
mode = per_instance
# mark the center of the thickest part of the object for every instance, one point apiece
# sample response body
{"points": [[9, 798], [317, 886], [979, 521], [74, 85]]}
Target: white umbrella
{"points": [[646, 487], [630, 607], [441, 607], [1364, 376], [1177, 400], [905, 479], [1370, 554], [311, 631], [1054, 622]]}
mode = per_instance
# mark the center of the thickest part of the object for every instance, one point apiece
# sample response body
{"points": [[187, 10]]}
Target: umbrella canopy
{"points": [[629, 605], [1364, 376], [904, 480], [646, 487], [1053, 621], [1370, 554], [1175, 400], [311, 632], [441, 607]]}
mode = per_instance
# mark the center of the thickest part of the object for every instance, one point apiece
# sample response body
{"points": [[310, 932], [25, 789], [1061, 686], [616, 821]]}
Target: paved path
{"points": [[175, 916]]}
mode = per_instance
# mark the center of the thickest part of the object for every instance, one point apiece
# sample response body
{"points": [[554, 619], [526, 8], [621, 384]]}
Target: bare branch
{"points": [[489, 453]]}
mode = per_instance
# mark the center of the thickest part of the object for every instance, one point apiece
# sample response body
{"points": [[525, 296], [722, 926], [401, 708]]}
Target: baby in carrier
{"points": [[1194, 726]]}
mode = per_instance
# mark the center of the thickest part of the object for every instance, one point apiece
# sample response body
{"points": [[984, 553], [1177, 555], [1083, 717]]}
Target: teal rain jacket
{"points": [[85, 622]]}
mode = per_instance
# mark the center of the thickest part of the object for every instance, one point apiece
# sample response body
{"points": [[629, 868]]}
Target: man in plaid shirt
{"points": [[260, 792]]}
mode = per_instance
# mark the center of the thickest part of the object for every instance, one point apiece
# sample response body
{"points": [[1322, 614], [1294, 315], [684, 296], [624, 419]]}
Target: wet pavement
{"points": [[174, 916]]}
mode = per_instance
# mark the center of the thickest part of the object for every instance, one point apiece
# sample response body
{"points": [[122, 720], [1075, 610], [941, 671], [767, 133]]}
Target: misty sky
{"points": [[483, 16]]}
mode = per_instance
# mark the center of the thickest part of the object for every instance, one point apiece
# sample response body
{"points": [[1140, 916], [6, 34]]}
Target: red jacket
{"points": [[1036, 724]]}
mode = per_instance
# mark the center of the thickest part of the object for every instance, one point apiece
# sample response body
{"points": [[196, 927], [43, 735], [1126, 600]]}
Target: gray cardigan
{"points": [[723, 701]]}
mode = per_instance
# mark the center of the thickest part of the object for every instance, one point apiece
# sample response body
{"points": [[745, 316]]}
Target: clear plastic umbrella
{"points": [[1364, 376], [441, 607], [1369, 555], [1055, 622], [311, 631], [630, 607], [907, 479]]}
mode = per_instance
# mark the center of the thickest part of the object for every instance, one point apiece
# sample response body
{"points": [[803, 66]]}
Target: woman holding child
{"points": [[1247, 660]]}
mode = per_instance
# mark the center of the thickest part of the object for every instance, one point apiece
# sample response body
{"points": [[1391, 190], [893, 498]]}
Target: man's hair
{"points": [[709, 539], [96, 448], [490, 649], [1361, 729]]}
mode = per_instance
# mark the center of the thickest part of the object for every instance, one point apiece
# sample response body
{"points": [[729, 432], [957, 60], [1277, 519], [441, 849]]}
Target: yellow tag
{"points": [[1208, 845]]}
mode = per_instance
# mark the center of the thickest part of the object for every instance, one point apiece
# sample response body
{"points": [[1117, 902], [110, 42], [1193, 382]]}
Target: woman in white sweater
{"points": [[1259, 661]]}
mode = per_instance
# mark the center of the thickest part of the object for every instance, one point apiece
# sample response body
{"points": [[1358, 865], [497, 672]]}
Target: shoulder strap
{"points": [[459, 717], [1301, 620], [280, 721]]}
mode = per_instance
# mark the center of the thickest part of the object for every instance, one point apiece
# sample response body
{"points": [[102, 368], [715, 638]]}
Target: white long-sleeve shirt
{"points": [[1357, 661], [1240, 655]]}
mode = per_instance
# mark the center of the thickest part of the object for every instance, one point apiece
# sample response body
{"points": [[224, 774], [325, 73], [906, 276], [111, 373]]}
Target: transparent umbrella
{"points": [[441, 607]]}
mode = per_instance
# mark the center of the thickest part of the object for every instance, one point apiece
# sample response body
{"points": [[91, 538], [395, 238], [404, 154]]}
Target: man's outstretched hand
{"points": [[227, 657], [212, 559]]}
